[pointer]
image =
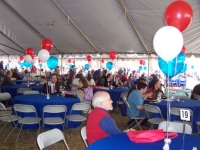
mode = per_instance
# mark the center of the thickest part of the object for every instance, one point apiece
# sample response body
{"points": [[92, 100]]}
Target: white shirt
{"points": [[53, 88]]}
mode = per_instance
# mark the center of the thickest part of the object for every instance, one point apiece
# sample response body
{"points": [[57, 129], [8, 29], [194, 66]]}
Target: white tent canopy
{"points": [[88, 26]]}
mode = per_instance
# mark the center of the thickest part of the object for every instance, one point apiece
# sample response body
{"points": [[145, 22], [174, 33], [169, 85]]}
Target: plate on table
{"points": [[164, 97]]}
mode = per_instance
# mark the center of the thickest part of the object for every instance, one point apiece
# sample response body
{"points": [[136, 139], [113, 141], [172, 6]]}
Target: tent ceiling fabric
{"points": [[103, 24]]}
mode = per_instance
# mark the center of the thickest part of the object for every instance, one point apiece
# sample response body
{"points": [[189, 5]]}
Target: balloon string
{"points": [[175, 67], [167, 101]]}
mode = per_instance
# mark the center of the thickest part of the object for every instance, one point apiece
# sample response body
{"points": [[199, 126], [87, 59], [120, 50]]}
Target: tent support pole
{"points": [[133, 25], [77, 27], [27, 23]]}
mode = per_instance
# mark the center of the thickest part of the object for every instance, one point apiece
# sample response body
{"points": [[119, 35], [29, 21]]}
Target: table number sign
{"points": [[185, 114]]}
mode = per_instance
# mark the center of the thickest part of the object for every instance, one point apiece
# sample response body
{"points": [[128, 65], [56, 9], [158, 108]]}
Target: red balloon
{"points": [[29, 51], [102, 61], [112, 55], [21, 58], [89, 58], [141, 62], [69, 60], [183, 50], [39, 61], [47, 44], [179, 14], [32, 55]]}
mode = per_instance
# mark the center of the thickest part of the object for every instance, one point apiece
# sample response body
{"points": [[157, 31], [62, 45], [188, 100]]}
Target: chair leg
{"points": [[11, 132], [19, 133]]}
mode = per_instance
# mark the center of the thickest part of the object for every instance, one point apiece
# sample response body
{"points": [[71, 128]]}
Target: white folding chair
{"points": [[198, 126], [22, 90], [21, 108], [84, 136], [49, 138], [119, 102], [196, 96], [13, 79], [31, 92], [7, 118], [73, 86], [137, 119], [176, 111], [54, 109], [153, 109], [6, 97], [84, 107], [175, 127]]}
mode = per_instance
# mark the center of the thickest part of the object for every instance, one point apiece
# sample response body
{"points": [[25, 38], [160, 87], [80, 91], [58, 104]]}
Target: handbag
{"points": [[148, 136]]}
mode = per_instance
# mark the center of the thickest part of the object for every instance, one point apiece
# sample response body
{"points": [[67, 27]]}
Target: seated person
{"points": [[196, 90], [7, 79], [52, 86], [83, 92], [155, 89], [99, 123], [135, 99]]}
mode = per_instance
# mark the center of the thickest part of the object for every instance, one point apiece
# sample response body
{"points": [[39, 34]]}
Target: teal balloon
{"points": [[40, 65], [184, 68], [173, 67], [21, 65], [140, 68], [87, 66], [145, 68], [109, 65], [70, 66], [192, 67], [27, 64], [52, 62]]}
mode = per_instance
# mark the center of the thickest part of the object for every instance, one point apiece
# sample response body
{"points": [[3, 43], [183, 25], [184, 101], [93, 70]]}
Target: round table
{"points": [[194, 105], [114, 93], [39, 101], [12, 89], [122, 142], [25, 81]]}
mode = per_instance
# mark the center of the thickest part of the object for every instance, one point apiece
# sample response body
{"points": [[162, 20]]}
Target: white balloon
{"points": [[19, 61], [168, 42], [28, 58], [34, 60], [91, 63], [43, 55]]}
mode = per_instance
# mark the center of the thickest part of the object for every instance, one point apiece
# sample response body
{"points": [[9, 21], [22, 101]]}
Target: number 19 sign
{"points": [[185, 114]]}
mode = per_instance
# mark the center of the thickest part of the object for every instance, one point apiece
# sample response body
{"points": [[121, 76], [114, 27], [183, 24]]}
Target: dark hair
{"points": [[53, 75], [154, 81], [8, 72], [84, 82], [89, 77], [141, 85]]}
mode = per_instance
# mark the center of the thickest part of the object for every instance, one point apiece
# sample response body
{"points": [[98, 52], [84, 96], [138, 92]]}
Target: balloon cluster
{"points": [[47, 46], [168, 40]]}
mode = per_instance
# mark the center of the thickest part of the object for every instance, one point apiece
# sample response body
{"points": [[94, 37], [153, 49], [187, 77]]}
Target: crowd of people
{"points": [[99, 123]]}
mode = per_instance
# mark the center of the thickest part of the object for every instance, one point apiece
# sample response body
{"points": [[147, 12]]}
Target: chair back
{"points": [[81, 106], [49, 138], [22, 90], [13, 79], [54, 109], [2, 107], [31, 92], [196, 96], [176, 111], [175, 127], [153, 109], [24, 109], [5, 96], [124, 94], [84, 136]]}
